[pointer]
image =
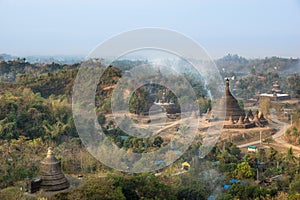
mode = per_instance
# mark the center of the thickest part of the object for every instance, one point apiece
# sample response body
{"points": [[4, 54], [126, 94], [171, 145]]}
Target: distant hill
{"points": [[231, 63], [240, 65], [60, 59], [6, 57]]}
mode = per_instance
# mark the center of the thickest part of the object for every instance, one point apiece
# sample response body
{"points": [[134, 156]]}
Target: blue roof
{"points": [[234, 181], [252, 147], [226, 187]]}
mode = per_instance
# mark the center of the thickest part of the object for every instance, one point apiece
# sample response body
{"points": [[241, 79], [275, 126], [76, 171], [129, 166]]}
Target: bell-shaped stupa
{"points": [[50, 172], [229, 105]]}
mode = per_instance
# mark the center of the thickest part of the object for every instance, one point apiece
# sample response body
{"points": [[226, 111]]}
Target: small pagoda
{"points": [[51, 174]]}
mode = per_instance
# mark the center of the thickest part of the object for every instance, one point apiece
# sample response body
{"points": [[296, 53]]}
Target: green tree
{"points": [[295, 185], [241, 104], [272, 154], [158, 141], [204, 104], [101, 119], [253, 71], [138, 103], [243, 170], [290, 157], [94, 188]]}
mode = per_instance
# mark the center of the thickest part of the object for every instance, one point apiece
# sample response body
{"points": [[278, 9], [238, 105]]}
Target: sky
{"points": [[250, 28]]}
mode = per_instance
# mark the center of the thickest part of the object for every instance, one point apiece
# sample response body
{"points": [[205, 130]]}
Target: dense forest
{"points": [[35, 113]]}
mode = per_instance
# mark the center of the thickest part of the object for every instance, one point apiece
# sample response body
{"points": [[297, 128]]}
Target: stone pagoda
{"points": [[51, 174], [228, 109], [230, 104]]}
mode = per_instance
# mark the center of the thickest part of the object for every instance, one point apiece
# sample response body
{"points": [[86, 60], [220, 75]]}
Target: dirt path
{"points": [[277, 137], [280, 133]]}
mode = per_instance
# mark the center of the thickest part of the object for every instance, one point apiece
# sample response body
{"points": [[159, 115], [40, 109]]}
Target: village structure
{"points": [[276, 94]]}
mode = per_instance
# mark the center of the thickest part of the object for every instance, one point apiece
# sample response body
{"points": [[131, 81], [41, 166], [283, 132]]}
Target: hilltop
{"points": [[242, 66]]}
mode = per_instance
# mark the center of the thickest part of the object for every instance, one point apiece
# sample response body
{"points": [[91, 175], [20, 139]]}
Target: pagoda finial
{"points": [[51, 174], [227, 84], [50, 152]]}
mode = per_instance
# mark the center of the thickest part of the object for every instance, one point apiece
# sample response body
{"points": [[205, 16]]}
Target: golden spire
{"points": [[50, 152]]}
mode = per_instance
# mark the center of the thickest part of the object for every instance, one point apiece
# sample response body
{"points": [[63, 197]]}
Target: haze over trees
{"points": [[35, 112]]}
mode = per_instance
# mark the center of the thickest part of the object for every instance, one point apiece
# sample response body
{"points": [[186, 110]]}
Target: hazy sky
{"points": [[251, 28]]}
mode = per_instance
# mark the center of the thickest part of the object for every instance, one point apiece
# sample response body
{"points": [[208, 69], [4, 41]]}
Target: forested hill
{"points": [[35, 113], [9, 70], [239, 65], [57, 79], [229, 64]]}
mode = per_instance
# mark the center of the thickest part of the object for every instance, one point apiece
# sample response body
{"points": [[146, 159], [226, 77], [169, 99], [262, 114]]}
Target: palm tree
{"points": [[290, 156], [290, 162], [272, 154]]}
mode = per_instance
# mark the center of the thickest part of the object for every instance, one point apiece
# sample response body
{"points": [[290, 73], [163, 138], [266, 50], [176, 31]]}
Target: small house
{"points": [[252, 148], [33, 185]]}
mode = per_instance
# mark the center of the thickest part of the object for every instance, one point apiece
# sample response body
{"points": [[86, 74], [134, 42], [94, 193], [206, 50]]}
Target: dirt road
{"points": [[277, 137]]}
